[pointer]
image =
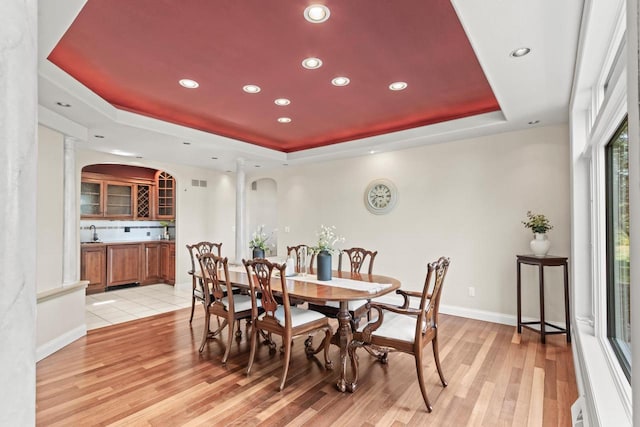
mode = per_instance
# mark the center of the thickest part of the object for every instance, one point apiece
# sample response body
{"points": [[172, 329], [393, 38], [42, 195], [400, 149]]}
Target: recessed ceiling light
{"points": [[520, 52], [186, 143], [188, 83], [312, 63], [256, 166], [284, 119], [63, 104], [534, 122], [372, 151], [285, 164], [398, 86], [228, 171], [138, 157], [317, 13], [282, 101], [251, 88], [340, 81], [98, 136], [214, 158]]}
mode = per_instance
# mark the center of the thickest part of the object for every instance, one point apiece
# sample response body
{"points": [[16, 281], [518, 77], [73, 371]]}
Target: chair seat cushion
{"points": [[299, 316], [240, 302], [396, 326]]}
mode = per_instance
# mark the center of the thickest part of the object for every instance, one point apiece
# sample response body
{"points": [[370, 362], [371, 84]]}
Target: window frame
{"points": [[621, 355]]}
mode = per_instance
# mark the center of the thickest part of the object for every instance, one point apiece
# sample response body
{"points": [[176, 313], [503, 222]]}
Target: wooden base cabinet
{"points": [[168, 262], [123, 264], [93, 267], [151, 263], [114, 264]]}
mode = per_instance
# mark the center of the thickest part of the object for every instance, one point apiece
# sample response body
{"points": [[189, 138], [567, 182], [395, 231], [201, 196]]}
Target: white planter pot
{"points": [[540, 244]]}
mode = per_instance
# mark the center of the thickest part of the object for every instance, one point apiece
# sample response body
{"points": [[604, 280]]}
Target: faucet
{"points": [[95, 233]]}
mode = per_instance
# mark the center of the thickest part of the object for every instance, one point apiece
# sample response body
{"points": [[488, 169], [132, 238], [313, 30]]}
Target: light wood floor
{"points": [[149, 372]]}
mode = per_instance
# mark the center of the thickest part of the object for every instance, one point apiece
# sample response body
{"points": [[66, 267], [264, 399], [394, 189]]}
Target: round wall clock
{"points": [[380, 196]]}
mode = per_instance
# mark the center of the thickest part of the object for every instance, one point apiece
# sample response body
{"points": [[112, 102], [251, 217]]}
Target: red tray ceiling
{"points": [[133, 52]]}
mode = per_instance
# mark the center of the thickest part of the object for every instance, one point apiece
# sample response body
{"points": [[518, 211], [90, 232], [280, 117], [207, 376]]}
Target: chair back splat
{"points": [[357, 258], [357, 309], [220, 301], [196, 249], [279, 316]]}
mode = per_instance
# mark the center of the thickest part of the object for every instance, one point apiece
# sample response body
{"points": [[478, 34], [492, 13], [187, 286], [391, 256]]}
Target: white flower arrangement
{"points": [[259, 239], [327, 239]]}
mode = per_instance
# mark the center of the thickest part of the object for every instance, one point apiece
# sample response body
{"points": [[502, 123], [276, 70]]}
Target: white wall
{"points": [[463, 199], [49, 209], [202, 213], [262, 209]]}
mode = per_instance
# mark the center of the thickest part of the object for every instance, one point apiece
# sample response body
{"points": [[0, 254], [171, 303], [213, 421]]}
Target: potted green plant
{"points": [[540, 225], [327, 239]]}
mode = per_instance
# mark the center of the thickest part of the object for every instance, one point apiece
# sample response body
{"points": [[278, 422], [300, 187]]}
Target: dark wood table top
{"points": [[318, 292]]}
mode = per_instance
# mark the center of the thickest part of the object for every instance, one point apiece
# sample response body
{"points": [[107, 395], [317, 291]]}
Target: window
{"points": [[617, 208]]}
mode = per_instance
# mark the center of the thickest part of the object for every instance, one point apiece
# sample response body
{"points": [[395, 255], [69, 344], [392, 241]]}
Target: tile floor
{"points": [[127, 304]]}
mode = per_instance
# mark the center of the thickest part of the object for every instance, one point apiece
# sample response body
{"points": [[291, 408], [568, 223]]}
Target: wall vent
{"points": [[203, 183], [195, 183]]}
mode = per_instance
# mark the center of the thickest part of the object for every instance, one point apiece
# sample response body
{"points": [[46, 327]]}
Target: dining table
{"points": [[342, 288]]}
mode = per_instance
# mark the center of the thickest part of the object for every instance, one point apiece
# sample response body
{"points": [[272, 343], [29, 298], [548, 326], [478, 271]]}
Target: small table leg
{"points": [[541, 278], [567, 318], [519, 299], [344, 338]]}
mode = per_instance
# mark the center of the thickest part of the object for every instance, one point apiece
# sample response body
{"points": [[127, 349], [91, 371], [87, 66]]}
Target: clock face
{"points": [[380, 196]]}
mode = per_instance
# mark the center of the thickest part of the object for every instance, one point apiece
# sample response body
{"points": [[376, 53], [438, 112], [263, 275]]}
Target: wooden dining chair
{"points": [[358, 257], [200, 248], [220, 301], [296, 252], [405, 329], [281, 318]]}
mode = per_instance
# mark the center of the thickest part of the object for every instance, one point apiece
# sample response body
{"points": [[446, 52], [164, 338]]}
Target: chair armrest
{"points": [[407, 294]]}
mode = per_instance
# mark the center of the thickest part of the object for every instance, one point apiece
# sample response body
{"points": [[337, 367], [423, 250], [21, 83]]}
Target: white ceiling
{"points": [[534, 87]]}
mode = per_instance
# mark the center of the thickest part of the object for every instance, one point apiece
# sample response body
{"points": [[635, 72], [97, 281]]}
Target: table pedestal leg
{"points": [[344, 338]]}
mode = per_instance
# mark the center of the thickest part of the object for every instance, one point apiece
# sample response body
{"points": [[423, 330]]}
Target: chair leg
{"points": [[229, 342], [436, 355], [423, 389], [254, 341], [328, 364], [239, 330], [287, 357], [205, 334], [193, 306]]}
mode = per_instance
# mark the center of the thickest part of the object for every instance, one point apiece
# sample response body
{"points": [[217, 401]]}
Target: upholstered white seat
{"points": [[240, 302], [299, 316], [397, 327]]}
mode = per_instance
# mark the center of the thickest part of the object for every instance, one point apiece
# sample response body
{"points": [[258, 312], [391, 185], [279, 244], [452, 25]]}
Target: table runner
{"points": [[356, 285]]}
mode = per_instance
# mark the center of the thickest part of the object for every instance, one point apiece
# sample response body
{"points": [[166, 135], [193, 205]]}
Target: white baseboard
{"points": [[57, 343], [488, 316]]}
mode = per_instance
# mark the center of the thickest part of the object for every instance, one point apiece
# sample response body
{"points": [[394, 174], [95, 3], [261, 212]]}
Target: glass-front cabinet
{"points": [[119, 200], [91, 199], [166, 196], [127, 192]]}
